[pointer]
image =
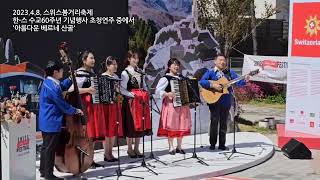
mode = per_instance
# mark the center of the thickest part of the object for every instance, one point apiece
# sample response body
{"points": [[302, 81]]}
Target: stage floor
{"points": [[246, 142]]}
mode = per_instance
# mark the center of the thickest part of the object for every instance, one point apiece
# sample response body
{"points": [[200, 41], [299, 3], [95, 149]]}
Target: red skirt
{"points": [[132, 114], [112, 114], [102, 119], [139, 105]]}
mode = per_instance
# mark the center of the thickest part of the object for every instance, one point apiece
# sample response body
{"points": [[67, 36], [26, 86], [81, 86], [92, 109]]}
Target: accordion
{"points": [[107, 90], [186, 91]]}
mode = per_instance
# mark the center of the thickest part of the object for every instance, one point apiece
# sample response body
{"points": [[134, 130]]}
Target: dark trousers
{"points": [[48, 149], [218, 115]]}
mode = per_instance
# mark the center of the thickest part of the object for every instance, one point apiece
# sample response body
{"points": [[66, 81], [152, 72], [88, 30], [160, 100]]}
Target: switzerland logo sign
{"points": [[306, 30]]}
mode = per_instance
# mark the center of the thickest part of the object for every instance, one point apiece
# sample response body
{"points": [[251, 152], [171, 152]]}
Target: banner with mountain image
{"points": [[161, 12]]}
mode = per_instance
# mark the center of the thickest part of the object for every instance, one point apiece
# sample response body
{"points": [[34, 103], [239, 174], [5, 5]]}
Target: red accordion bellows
{"points": [[137, 104]]}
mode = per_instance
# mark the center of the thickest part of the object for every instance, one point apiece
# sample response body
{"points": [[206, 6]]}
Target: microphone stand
{"points": [[234, 150], [194, 154], [152, 156], [143, 163], [118, 172]]}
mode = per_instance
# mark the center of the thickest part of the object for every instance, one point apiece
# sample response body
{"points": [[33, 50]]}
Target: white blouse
{"points": [[125, 78], [162, 85], [80, 80]]}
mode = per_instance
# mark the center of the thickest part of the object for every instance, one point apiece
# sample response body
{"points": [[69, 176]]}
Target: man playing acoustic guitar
{"points": [[220, 107]]}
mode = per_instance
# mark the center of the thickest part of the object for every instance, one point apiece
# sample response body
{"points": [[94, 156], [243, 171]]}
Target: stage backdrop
{"points": [[273, 69], [304, 28], [303, 95]]}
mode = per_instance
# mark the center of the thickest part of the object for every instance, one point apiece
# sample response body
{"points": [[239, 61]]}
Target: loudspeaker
{"points": [[296, 150]]}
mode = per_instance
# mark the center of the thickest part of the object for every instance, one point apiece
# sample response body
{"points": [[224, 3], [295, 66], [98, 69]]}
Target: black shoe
{"points": [[95, 165], [133, 155], [224, 148], [173, 152], [53, 177], [111, 160], [181, 151], [212, 147], [138, 154], [42, 174], [114, 160]]}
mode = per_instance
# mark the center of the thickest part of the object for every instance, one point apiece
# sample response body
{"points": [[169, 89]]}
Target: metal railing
{"points": [[236, 64]]}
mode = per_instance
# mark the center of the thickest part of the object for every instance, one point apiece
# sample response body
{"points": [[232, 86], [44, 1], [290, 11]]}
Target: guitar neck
{"points": [[233, 81]]}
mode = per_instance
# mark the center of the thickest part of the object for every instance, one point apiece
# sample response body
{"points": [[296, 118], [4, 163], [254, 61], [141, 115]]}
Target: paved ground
{"points": [[256, 113], [279, 166]]}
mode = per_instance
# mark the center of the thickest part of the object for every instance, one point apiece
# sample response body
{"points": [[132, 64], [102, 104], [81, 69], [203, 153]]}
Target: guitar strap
{"points": [[227, 74]]}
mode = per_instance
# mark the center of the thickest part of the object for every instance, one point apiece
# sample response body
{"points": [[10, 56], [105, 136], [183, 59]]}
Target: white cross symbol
{"points": [[311, 24]]}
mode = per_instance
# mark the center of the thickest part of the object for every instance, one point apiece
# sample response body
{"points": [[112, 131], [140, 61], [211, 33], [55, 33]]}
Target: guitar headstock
{"points": [[252, 73], [63, 50]]}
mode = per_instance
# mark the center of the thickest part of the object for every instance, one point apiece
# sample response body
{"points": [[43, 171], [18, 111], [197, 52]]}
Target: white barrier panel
{"points": [[18, 149], [303, 95]]}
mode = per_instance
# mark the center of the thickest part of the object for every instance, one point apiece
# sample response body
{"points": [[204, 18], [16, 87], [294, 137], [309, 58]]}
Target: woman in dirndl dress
{"points": [[112, 113], [95, 114], [132, 111], [175, 122]]}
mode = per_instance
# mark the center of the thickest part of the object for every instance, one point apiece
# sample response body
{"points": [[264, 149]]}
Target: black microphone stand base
{"points": [[194, 156], [119, 174], [153, 157], [143, 163], [234, 151]]}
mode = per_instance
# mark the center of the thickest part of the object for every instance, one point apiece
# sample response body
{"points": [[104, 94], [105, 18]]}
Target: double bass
{"points": [[75, 151]]}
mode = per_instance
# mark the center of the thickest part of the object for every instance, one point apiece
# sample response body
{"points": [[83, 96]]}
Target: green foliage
{"points": [[274, 99], [141, 37], [262, 92], [255, 128], [278, 99]]}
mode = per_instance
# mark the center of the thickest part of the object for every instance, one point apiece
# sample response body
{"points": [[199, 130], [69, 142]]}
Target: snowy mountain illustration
{"points": [[162, 12]]}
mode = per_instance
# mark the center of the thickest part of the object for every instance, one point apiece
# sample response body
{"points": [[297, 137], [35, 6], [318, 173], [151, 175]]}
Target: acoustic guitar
{"points": [[211, 95]]}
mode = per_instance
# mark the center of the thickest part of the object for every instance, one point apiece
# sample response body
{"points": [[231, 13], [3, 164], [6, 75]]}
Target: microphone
{"points": [[226, 71], [183, 77], [138, 70]]}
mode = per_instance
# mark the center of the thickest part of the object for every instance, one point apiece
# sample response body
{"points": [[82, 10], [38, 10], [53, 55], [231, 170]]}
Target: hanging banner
{"points": [[273, 69], [304, 28], [303, 95]]}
